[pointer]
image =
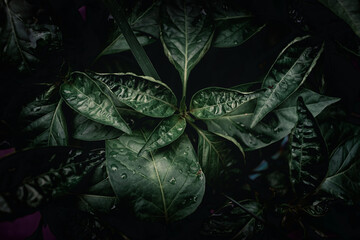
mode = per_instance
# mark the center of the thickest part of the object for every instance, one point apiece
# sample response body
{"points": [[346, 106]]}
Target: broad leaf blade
{"points": [[166, 185], [343, 179], [186, 34], [288, 73], [144, 94], [308, 153], [86, 96], [165, 133], [214, 102], [347, 10]]}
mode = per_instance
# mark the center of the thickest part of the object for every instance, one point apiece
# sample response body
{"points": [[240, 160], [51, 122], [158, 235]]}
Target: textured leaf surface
{"points": [[165, 185], [287, 74], [44, 122], [165, 133], [343, 179], [32, 178], [186, 33], [144, 94], [215, 102], [308, 158], [86, 96], [274, 127], [234, 25], [347, 10]]}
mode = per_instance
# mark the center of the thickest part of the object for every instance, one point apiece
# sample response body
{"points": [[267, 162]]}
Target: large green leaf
{"points": [[347, 10], [234, 24], [32, 178], [44, 122], [144, 94], [287, 74], [308, 153], [274, 127], [165, 185], [87, 97], [143, 20], [343, 179], [186, 33], [214, 102], [168, 130]]}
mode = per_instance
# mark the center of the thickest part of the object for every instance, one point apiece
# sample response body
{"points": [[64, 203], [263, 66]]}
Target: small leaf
{"points": [[186, 33], [308, 153], [343, 179], [214, 102], [347, 10], [166, 132], [165, 185], [85, 95], [144, 94], [287, 74]]}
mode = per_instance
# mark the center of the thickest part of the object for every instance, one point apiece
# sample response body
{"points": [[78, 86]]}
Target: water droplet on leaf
{"points": [[172, 181], [114, 168], [123, 176]]}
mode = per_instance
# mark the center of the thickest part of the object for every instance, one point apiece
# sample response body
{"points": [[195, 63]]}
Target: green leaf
{"points": [[234, 24], [347, 10], [143, 20], [32, 178], [277, 125], [214, 102], [343, 179], [308, 153], [166, 132], [165, 185], [44, 121], [287, 74], [351, 45], [87, 97], [186, 34], [144, 94], [318, 206]]}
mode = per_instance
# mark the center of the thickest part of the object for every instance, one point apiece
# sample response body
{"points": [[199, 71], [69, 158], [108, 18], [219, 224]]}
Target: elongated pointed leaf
{"points": [[165, 133], [186, 33], [343, 179], [44, 122], [351, 45], [214, 102], [32, 178], [288, 73], [347, 10], [234, 24], [308, 151], [144, 94], [86, 96], [166, 185], [274, 127]]}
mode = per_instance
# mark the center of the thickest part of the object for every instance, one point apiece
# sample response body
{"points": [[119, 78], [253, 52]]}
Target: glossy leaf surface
{"points": [[44, 121], [86, 96], [274, 127], [215, 102], [165, 185], [308, 154], [32, 178], [144, 94], [165, 133], [287, 74], [186, 34], [343, 179], [347, 10]]}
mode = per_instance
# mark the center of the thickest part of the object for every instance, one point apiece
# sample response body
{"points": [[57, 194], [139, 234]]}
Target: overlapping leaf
{"points": [[165, 185], [144, 94], [87, 96], [287, 74], [274, 127], [44, 122], [186, 33], [215, 102], [308, 153]]}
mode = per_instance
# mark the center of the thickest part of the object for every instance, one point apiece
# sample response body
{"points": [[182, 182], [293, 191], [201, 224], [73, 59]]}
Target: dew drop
{"points": [[236, 42], [36, 109], [123, 176], [114, 168], [133, 172], [199, 41], [203, 12], [185, 153], [195, 199], [139, 167], [180, 171], [172, 181], [180, 129]]}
